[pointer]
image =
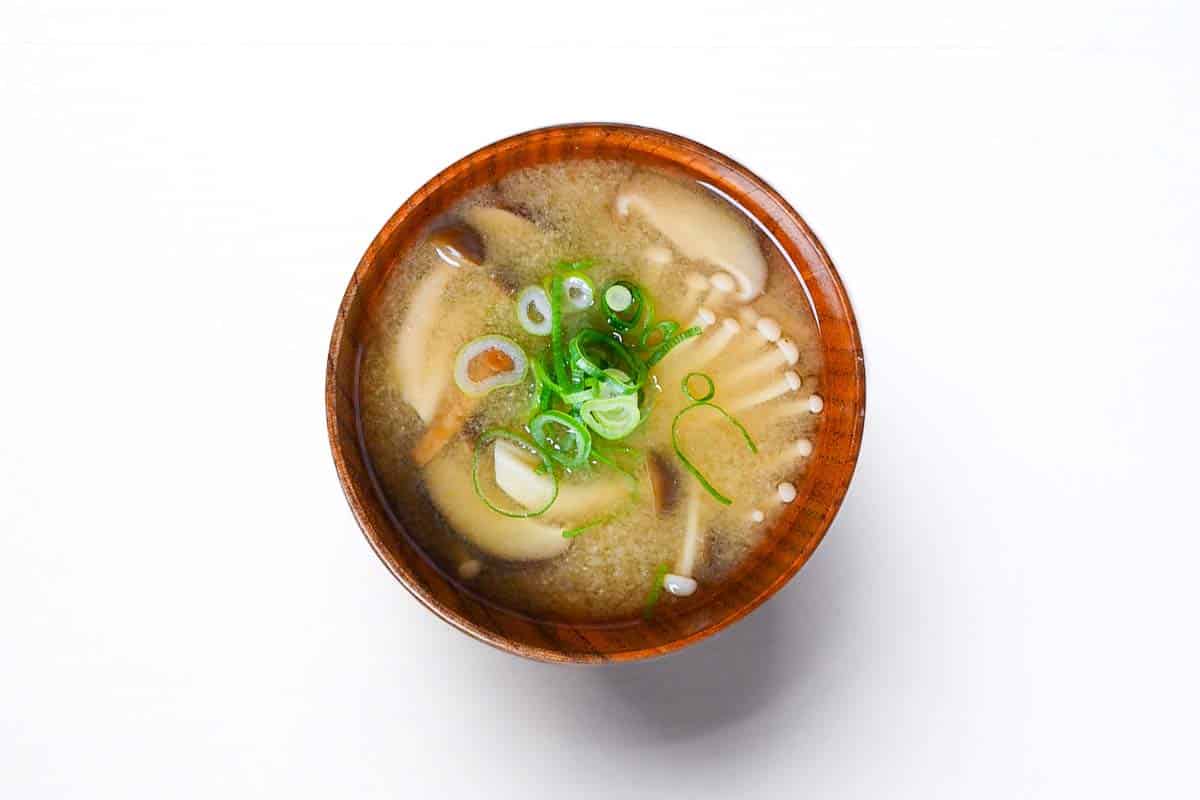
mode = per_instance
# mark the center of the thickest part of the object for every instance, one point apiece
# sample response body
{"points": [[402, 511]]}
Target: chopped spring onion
{"points": [[688, 465], [611, 417], [632, 306], [579, 396], [664, 329], [618, 297], [708, 393], [543, 391], [488, 363], [574, 266], [655, 590], [579, 293], [558, 353], [543, 374], [618, 383], [533, 298], [670, 344], [604, 458], [572, 448], [588, 341], [499, 433], [571, 533]]}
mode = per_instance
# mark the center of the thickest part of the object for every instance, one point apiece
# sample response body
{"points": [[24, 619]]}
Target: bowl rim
{"points": [[349, 484]]}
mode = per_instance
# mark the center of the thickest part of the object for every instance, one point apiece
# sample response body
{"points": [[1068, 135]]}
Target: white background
{"points": [[1006, 606]]}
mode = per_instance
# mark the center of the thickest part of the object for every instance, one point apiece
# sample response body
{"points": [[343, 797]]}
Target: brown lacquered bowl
{"points": [[820, 488]]}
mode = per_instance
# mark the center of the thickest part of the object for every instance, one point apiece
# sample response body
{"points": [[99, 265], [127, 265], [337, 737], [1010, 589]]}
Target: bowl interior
{"points": [[820, 488]]}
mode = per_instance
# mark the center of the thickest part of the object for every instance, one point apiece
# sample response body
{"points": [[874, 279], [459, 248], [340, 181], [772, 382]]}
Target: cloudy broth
{"points": [[644, 520]]}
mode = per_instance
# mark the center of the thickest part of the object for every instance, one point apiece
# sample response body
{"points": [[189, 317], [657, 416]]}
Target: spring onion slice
{"points": [[575, 266], [492, 435], [548, 382], [604, 458], [571, 533], [665, 329], [618, 383], [536, 297], [579, 293], [580, 396], [611, 417], [557, 348], [543, 393], [709, 392], [617, 297], [506, 369], [631, 305], [589, 340], [574, 450], [670, 344], [660, 572], [688, 465]]}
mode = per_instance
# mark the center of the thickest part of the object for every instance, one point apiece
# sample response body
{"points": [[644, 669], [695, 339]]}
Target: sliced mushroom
{"points": [[664, 482], [457, 407], [420, 389], [422, 382], [698, 226], [499, 225], [451, 417], [458, 245], [450, 488], [517, 476]]}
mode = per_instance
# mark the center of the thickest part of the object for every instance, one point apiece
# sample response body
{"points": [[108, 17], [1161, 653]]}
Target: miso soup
{"points": [[590, 390]]}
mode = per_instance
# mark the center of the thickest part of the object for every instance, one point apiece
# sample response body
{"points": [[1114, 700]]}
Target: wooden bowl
{"points": [[820, 488]]}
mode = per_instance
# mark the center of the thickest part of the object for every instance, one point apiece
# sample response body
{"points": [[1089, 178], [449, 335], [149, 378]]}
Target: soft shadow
{"points": [[739, 672]]}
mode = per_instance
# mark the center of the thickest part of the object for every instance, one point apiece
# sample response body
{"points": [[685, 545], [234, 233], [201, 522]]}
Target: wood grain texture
{"points": [[821, 487]]}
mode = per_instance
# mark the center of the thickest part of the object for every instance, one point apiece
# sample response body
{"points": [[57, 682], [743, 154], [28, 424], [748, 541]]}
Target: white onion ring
{"points": [[534, 296], [587, 294], [476, 348]]}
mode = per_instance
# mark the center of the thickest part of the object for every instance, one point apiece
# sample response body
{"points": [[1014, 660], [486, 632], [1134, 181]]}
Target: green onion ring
{"points": [[666, 328], [670, 344], [492, 435], [576, 430], [708, 395], [688, 465], [611, 417], [629, 317], [588, 338], [581, 395]]}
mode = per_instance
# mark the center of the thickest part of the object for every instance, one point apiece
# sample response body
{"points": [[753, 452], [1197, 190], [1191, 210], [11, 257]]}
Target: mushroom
{"points": [[692, 536], [508, 538], [788, 382], [412, 344], [421, 385], [700, 353], [698, 226], [454, 410], [500, 226], [679, 585], [517, 476], [458, 245], [664, 482]]}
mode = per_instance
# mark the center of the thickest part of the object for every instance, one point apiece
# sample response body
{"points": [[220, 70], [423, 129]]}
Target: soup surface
{"points": [[659, 504]]}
